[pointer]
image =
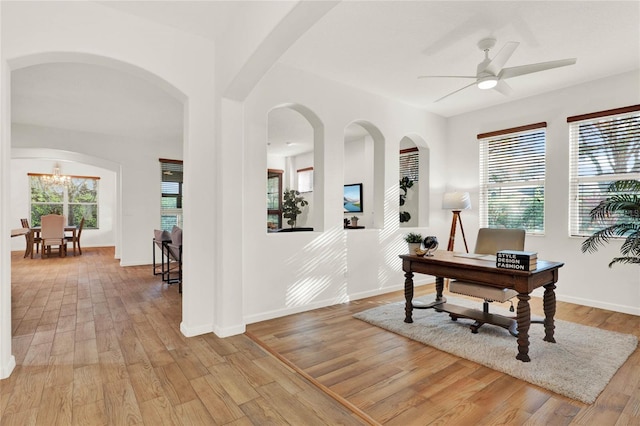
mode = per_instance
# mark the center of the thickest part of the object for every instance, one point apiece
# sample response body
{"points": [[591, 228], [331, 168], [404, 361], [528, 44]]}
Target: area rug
{"points": [[578, 366]]}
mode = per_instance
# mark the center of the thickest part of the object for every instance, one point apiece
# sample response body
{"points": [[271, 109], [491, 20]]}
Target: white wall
{"points": [[585, 278], [182, 65], [290, 272]]}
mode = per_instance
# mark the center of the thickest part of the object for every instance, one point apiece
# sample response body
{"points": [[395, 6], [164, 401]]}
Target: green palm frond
{"points": [[601, 237], [623, 205], [627, 260], [626, 204]]}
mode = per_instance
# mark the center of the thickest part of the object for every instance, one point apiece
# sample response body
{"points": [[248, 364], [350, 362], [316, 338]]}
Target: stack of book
{"points": [[518, 260]]}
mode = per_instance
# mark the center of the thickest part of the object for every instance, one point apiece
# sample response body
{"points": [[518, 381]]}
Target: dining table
{"points": [[36, 230], [17, 232]]}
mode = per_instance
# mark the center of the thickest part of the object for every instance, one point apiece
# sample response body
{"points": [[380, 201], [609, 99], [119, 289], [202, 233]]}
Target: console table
{"points": [[443, 264]]}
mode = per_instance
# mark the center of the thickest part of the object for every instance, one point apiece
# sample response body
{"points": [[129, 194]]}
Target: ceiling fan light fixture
{"points": [[488, 83]]}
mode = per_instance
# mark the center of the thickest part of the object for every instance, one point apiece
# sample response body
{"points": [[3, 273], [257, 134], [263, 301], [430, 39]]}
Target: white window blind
{"points": [[171, 187], [305, 179], [604, 147], [410, 164], [512, 178]]}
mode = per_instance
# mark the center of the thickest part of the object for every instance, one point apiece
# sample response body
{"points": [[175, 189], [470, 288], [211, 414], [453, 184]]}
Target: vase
{"points": [[413, 247]]}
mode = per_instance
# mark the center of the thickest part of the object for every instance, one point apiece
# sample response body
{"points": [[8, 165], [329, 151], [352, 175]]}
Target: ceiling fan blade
{"points": [[531, 68], [453, 93], [498, 61], [503, 88], [446, 76]]}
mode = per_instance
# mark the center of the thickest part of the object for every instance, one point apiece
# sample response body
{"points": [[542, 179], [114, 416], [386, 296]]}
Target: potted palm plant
{"points": [[291, 206], [623, 206]]}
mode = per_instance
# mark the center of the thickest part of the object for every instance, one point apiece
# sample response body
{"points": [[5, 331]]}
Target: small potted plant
{"points": [[414, 240], [354, 220]]}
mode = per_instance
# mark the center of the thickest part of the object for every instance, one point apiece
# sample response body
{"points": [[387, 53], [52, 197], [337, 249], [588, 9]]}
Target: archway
{"points": [[7, 362], [414, 164], [295, 146], [365, 164]]}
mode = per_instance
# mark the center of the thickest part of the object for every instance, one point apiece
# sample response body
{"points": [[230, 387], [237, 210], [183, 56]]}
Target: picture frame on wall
{"points": [[353, 198]]}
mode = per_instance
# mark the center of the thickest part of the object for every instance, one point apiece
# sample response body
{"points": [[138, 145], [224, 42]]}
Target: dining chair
{"points": [[53, 234], [75, 239], [32, 240], [172, 253]]}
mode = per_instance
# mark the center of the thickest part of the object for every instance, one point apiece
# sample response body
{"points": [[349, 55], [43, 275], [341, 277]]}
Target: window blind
{"points": [[409, 164], [604, 147], [171, 177], [305, 179], [512, 178]]}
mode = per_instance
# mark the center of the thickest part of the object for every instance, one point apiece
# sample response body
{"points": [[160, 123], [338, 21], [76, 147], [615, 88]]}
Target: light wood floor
{"points": [[99, 344]]}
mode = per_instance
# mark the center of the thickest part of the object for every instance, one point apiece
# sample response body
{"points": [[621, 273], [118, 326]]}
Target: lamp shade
{"points": [[456, 201]]}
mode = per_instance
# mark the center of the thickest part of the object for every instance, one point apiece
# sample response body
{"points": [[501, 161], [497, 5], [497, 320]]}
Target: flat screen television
{"points": [[353, 198]]}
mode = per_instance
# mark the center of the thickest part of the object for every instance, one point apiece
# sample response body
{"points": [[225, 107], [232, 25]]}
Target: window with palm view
{"points": [[512, 178]]}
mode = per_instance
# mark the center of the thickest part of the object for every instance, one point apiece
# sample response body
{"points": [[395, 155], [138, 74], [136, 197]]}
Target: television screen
{"points": [[353, 198]]}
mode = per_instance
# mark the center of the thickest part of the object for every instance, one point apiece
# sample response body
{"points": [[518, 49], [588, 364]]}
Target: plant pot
{"points": [[413, 247]]}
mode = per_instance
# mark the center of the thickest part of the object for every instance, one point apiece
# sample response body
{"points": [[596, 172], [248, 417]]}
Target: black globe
{"points": [[430, 243]]}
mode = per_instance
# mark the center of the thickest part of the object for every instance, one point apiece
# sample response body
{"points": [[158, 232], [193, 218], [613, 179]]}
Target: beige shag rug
{"points": [[578, 366]]}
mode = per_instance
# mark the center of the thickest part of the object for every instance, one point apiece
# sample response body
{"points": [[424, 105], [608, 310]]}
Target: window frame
{"points": [[300, 176], [177, 166], [66, 203], [512, 135], [279, 174], [578, 206]]}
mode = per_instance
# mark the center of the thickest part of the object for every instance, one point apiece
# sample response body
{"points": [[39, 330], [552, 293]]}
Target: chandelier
{"points": [[56, 178]]}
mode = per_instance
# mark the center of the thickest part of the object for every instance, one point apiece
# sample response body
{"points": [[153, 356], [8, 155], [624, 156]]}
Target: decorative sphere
{"points": [[430, 244]]}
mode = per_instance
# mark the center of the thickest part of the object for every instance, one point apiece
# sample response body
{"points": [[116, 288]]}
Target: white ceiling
{"points": [[92, 98], [377, 46], [382, 47]]}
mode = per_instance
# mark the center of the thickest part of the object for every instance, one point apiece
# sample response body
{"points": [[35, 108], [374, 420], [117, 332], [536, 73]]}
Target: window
{"points": [[274, 199], [305, 179], [409, 164], [171, 185], [605, 147], [512, 178], [74, 198]]}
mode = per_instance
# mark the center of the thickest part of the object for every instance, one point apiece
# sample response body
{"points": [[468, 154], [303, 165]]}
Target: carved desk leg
{"points": [[524, 321], [549, 304], [408, 296]]}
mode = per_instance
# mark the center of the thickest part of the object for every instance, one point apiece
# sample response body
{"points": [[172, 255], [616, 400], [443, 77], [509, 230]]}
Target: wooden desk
{"points": [[445, 265]]}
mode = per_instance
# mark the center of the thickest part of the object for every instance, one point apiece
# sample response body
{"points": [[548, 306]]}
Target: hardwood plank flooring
{"points": [[99, 344], [401, 382]]}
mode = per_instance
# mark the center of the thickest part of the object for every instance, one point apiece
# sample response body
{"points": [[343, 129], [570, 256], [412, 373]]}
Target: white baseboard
{"points": [[229, 331], [218, 331], [631, 310], [195, 331], [264, 316], [6, 370]]}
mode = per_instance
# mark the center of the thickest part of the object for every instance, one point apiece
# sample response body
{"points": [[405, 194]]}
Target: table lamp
{"points": [[456, 202]]}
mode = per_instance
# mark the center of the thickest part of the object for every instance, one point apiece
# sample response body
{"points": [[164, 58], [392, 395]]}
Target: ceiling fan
{"points": [[490, 73]]}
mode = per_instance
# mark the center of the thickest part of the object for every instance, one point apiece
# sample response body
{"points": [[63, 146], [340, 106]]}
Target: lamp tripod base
{"points": [[452, 234]]}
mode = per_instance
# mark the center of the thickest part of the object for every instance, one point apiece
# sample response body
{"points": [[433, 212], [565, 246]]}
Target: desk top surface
{"points": [[448, 258]]}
